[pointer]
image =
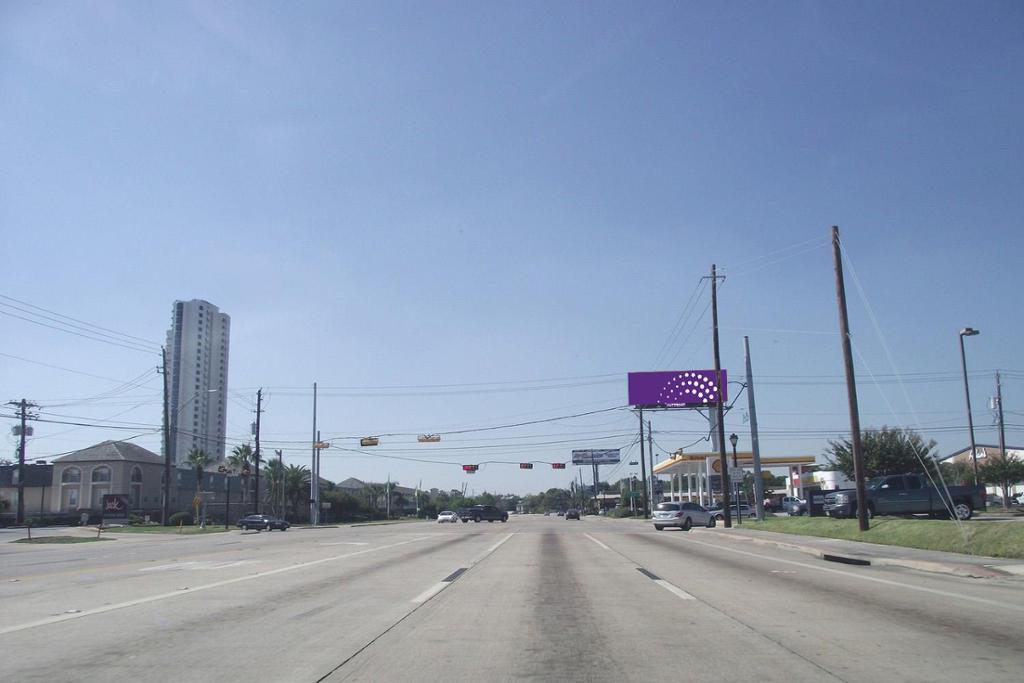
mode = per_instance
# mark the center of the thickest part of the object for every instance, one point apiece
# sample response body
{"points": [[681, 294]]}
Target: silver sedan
{"points": [[682, 515]]}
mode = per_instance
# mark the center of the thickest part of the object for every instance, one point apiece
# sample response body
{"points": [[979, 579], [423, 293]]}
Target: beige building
{"points": [[82, 478]]}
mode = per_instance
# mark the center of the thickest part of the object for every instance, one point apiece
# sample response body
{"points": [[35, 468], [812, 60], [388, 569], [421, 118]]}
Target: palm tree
{"points": [[398, 502], [200, 460], [373, 493], [296, 481], [274, 471], [240, 459]]}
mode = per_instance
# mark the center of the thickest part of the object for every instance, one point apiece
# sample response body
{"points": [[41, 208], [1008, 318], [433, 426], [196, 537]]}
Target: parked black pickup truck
{"points": [[907, 494], [479, 513]]}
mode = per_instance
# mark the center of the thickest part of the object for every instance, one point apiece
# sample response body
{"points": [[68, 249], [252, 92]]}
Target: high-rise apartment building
{"points": [[197, 366]]}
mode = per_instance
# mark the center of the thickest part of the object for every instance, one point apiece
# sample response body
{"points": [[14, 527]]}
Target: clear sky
{"points": [[516, 200]]}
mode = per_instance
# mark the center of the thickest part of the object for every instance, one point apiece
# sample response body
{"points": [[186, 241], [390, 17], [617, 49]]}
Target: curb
{"points": [[963, 570]]}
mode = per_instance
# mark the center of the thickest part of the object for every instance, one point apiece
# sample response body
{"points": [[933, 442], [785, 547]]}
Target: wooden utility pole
{"points": [[256, 456], [23, 415], [720, 408], [643, 464], [165, 509], [851, 385]]}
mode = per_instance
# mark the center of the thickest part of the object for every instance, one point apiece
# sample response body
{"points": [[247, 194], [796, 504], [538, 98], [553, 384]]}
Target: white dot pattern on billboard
{"points": [[689, 387]]}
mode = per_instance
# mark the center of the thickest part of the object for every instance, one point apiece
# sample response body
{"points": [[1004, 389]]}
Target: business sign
{"points": [[608, 456], [115, 506], [677, 388]]}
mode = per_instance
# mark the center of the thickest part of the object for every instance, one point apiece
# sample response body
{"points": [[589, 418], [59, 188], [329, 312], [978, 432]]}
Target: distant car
{"points": [[682, 515], [447, 516], [547, 514], [718, 511], [561, 513], [265, 522], [571, 514]]}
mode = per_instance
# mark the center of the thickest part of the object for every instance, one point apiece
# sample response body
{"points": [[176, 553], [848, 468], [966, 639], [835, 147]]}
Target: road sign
{"points": [[608, 456], [369, 441], [115, 506], [324, 445]]}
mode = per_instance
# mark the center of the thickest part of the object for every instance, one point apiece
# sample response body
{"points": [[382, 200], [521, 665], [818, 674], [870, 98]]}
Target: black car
{"points": [[263, 522], [572, 514]]}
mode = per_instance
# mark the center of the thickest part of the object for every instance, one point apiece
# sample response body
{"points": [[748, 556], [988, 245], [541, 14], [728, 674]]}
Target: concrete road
{"points": [[537, 598]]}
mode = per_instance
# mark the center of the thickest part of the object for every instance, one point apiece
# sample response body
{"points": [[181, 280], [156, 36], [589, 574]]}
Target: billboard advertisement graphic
{"points": [[608, 456], [677, 388]]}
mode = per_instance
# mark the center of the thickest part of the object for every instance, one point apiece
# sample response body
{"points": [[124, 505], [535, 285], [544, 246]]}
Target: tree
{"points": [[398, 501], [274, 471], [296, 482], [957, 473], [200, 460], [888, 450], [1003, 472], [240, 459]]}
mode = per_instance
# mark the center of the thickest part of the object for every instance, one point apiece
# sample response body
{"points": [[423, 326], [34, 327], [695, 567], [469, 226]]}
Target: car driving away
{"points": [[480, 513], [572, 514], [681, 515], [264, 522], [447, 516]]}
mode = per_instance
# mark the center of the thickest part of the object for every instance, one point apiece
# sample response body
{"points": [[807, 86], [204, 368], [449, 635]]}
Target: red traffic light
{"points": [[470, 468], [558, 465], [526, 465]]}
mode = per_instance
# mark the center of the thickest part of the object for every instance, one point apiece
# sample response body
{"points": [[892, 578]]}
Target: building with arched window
{"points": [[85, 476]]}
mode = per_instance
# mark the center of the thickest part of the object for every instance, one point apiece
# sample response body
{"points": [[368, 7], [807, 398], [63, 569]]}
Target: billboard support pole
{"points": [[755, 446], [643, 464], [650, 459]]}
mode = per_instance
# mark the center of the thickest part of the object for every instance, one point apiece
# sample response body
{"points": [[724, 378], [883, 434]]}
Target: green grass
{"points": [[157, 529], [992, 539], [61, 539]]}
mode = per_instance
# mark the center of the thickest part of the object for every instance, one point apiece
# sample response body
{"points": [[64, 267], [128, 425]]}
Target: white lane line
{"points": [[217, 584], [675, 590], [597, 541], [862, 577], [344, 543], [440, 586]]}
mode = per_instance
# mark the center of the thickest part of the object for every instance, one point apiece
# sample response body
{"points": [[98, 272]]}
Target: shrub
{"points": [[184, 518]]}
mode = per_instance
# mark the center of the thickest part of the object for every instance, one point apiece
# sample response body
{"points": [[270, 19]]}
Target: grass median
{"points": [[157, 529], [992, 539], [57, 540]]}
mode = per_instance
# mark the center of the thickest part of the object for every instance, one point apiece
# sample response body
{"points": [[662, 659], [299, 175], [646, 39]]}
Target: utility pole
{"points": [[593, 466], [280, 480], [720, 409], [166, 507], [23, 407], [754, 444], [1003, 431], [851, 385], [643, 463], [312, 481], [259, 409], [650, 459], [969, 332]]}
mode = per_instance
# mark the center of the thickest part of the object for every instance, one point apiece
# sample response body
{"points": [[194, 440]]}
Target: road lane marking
{"points": [[193, 565], [597, 541], [447, 581], [863, 577], [671, 588], [217, 584], [344, 543]]}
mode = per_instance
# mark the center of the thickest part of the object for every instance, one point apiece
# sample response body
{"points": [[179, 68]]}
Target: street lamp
{"points": [[969, 332], [733, 439]]}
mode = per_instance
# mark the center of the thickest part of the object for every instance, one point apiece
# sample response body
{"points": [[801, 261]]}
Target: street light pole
{"points": [[733, 439], [969, 332]]}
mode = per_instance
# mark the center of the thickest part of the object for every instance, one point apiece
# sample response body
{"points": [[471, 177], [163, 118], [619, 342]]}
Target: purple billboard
{"points": [[687, 388]]}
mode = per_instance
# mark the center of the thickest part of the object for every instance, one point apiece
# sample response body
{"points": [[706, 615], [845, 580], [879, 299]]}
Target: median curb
{"points": [[966, 570]]}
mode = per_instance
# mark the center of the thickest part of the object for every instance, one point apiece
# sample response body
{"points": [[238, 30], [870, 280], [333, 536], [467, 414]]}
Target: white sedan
{"points": [[447, 516]]}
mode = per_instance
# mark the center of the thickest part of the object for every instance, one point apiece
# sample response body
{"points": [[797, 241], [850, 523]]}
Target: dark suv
{"points": [[479, 513], [263, 522]]}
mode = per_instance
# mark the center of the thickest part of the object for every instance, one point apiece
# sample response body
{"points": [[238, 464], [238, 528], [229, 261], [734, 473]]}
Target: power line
{"points": [[79, 334], [83, 322]]}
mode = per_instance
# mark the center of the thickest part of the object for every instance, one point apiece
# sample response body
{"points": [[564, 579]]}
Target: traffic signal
{"points": [[526, 465], [558, 465], [470, 469]]}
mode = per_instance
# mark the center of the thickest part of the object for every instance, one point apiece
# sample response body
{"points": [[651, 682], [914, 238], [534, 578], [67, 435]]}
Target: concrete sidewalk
{"points": [[857, 552]]}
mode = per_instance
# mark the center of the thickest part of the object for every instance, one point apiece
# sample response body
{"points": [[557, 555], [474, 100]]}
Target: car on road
{"points": [[718, 511], [794, 507], [264, 522], [447, 516], [561, 513], [480, 513], [572, 514], [682, 515]]}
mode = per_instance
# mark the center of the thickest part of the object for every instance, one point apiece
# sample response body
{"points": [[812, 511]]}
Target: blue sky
{"points": [[412, 194]]}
